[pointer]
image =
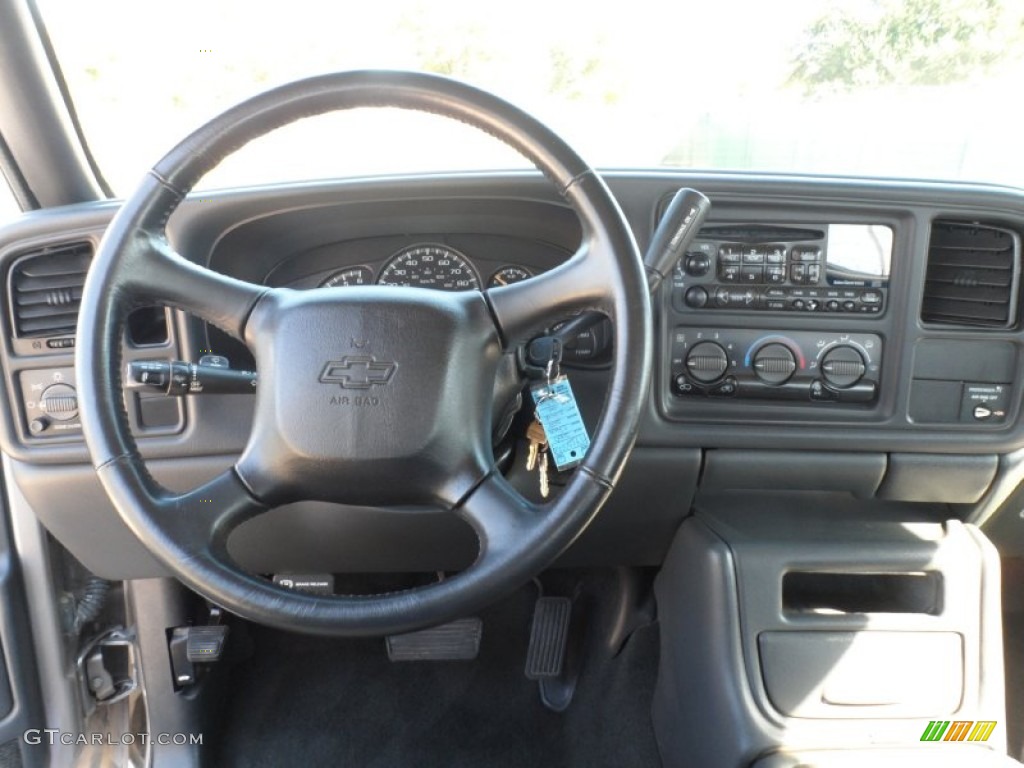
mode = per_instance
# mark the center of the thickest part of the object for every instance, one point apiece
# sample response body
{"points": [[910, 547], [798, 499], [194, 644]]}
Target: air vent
{"points": [[972, 274], [46, 289]]}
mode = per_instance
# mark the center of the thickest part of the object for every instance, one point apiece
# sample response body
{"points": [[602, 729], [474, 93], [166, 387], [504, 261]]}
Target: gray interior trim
{"points": [[56, 671]]}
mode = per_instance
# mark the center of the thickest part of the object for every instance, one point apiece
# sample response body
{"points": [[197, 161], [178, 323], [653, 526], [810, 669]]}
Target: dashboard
{"points": [[821, 335]]}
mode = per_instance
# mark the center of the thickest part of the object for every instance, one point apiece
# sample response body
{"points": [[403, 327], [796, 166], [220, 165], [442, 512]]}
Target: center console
{"points": [[783, 628], [760, 272]]}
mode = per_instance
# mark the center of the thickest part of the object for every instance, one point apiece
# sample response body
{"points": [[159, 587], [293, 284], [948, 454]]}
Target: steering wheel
{"points": [[433, 355]]}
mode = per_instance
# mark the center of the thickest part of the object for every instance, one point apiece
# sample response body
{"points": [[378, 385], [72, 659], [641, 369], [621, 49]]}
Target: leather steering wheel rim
{"points": [[136, 266]]}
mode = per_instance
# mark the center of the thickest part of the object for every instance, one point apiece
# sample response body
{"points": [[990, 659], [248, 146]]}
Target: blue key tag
{"points": [[558, 413]]}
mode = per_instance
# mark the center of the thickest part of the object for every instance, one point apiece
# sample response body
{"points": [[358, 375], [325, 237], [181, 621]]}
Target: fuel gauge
{"points": [[508, 275]]}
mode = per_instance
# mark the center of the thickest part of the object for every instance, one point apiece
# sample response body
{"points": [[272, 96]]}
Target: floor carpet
{"points": [[306, 701]]}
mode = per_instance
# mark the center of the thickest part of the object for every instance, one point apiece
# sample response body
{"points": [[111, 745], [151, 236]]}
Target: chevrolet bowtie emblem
{"points": [[360, 372]]}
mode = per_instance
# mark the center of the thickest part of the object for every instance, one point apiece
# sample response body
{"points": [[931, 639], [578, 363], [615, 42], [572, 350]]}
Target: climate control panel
{"points": [[804, 366]]}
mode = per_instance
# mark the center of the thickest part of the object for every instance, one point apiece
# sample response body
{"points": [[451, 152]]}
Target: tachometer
{"points": [[430, 266], [350, 276]]}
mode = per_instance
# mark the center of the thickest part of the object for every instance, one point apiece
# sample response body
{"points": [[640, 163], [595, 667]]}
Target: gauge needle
{"points": [[499, 281]]}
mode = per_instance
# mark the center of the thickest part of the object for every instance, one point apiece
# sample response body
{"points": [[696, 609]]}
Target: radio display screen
{"points": [[858, 254]]}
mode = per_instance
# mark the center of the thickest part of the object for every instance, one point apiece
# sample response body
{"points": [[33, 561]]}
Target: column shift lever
{"points": [[680, 223]]}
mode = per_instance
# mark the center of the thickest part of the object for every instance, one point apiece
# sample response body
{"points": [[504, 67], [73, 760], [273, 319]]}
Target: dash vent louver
{"points": [[972, 275], [46, 289]]}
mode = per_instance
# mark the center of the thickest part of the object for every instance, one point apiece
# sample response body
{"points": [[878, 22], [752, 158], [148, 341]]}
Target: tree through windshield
{"points": [[889, 88]]}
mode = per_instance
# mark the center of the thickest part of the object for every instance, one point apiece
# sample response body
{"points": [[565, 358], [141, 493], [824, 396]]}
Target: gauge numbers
{"points": [[430, 266], [350, 276], [508, 275]]}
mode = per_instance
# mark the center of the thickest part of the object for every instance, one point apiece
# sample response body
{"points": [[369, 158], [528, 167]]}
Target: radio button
{"points": [[798, 273], [728, 274], [729, 254], [751, 274], [832, 305], [775, 254], [753, 256], [775, 304], [849, 306], [805, 253], [775, 274], [813, 273], [871, 297]]}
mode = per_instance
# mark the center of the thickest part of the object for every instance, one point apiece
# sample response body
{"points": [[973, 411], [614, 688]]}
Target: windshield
{"points": [[882, 88]]}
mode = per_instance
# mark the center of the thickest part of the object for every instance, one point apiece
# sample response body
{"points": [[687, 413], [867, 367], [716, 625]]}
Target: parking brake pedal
{"points": [[455, 641]]}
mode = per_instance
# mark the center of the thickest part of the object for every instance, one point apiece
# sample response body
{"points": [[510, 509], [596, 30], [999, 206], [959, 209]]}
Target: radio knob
{"points": [[774, 363], [706, 362], [696, 297], [696, 264], [843, 366]]}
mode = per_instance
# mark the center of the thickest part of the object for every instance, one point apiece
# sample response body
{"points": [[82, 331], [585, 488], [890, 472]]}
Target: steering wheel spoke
{"points": [[167, 277], [524, 309], [194, 524], [500, 516], [201, 520]]}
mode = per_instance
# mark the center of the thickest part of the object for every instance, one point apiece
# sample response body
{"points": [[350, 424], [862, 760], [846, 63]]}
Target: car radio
{"points": [[836, 268]]}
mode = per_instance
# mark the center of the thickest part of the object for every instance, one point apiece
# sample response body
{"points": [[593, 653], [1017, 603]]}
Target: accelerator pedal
{"points": [[548, 638], [455, 641], [548, 660]]}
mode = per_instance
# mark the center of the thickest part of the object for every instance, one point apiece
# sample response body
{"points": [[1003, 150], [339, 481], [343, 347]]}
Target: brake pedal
{"points": [[455, 641], [549, 637]]}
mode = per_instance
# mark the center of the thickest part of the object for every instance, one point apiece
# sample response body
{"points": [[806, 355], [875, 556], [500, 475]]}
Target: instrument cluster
{"points": [[428, 265]]}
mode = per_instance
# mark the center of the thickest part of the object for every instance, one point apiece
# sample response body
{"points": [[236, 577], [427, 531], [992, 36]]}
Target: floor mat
{"points": [[311, 701]]}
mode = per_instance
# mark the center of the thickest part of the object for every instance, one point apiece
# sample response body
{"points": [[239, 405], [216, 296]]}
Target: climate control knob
{"points": [[843, 366], [706, 362], [774, 363]]}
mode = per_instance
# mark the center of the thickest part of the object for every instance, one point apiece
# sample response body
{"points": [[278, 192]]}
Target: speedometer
{"points": [[430, 266]]}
